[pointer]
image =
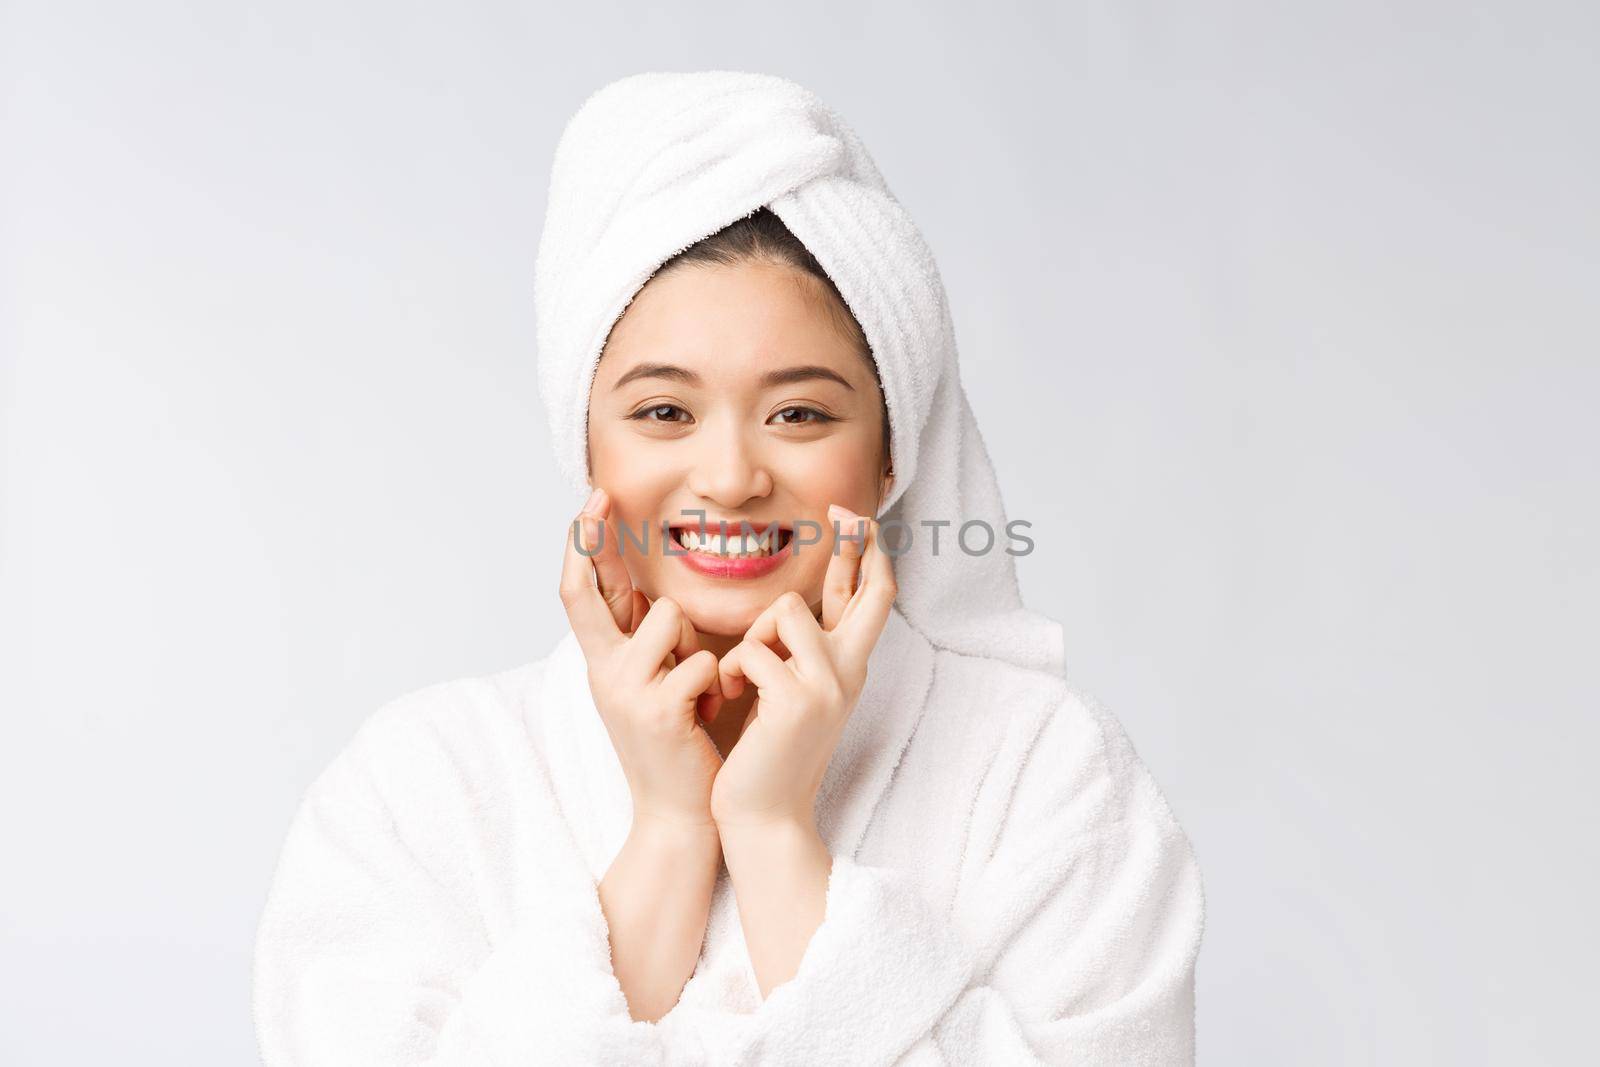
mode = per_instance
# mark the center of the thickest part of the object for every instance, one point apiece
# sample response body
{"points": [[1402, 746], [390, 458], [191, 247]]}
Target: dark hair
{"points": [[762, 237]]}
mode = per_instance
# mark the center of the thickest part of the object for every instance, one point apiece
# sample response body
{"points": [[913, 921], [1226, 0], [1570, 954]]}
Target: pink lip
{"points": [[732, 567]]}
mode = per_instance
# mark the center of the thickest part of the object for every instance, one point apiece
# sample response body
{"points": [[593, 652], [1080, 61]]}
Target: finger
{"points": [[732, 678], [665, 630], [864, 617], [788, 622], [688, 641], [708, 698], [767, 628], [754, 661], [611, 572], [708, 704], [694, 678], [839, 584], [587, 611], [641, 605]]}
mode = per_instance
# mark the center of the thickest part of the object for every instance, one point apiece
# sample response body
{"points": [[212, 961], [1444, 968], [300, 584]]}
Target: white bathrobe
{"points": [[1008, 887]]}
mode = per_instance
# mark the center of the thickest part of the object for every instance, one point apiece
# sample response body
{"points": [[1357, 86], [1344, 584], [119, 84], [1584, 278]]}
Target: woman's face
{"points": [[689, 413]]}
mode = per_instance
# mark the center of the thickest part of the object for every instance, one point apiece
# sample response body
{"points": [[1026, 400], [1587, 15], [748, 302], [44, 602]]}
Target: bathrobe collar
{"points": [[592, 792]]}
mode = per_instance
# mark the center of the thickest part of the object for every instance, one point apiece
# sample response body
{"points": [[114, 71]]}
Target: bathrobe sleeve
{"points": [[385, 940], [1074, 938]]}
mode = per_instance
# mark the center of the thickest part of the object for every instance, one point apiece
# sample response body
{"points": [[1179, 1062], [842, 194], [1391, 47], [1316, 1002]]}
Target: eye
{"points": [[643, 415], [817, 416]]}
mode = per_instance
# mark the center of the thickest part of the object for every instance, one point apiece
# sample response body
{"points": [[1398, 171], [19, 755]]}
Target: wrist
{"points": [[781, 834], [775, 820], [675, 831]]}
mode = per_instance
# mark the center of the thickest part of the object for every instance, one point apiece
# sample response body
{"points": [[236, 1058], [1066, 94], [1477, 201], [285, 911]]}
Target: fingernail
{"points": [[594, 498], [843, 514]]}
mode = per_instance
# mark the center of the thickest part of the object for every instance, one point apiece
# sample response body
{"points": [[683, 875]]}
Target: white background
{"points": [[1280, 320]]}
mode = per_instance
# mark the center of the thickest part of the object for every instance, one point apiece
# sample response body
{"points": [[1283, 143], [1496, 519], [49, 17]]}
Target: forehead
{"points": [[730, 323]]}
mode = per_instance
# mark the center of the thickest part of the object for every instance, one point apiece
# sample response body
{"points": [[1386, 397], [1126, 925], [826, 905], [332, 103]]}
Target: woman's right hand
{"points": [[648, 675]]}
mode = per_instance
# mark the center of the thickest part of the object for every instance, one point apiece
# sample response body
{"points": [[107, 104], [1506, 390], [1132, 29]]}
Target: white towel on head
{"points": [[653, 163]]}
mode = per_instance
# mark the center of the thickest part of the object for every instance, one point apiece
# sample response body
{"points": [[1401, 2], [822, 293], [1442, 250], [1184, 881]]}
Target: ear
{"points": [[888, 480]]}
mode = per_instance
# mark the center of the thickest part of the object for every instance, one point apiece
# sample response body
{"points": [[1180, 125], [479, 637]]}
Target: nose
{"points": [[728, 470]]}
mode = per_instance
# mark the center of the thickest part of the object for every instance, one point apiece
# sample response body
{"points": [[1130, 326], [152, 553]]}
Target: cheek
{"points": [[831, 474], [621, 464], [827, 474], [638, 486]]}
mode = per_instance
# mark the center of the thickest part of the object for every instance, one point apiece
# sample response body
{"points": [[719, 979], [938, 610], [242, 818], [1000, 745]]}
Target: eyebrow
{"points": [[783, 376]]}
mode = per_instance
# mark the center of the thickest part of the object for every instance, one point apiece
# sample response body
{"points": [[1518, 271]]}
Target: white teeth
{"points": [[735, 544]]}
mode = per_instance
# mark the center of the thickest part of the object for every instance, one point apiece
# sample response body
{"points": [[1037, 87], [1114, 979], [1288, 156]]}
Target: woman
{"points": [[812, 792]]}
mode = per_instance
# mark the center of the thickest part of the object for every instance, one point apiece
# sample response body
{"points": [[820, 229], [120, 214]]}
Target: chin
{"points": [[726, 612]]}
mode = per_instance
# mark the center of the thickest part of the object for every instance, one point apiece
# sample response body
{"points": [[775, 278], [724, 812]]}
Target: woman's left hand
{"points": [[776, 766]]}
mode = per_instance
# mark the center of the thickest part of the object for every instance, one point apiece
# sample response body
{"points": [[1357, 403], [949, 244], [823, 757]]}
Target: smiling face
{"points": [[733, 390]]}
